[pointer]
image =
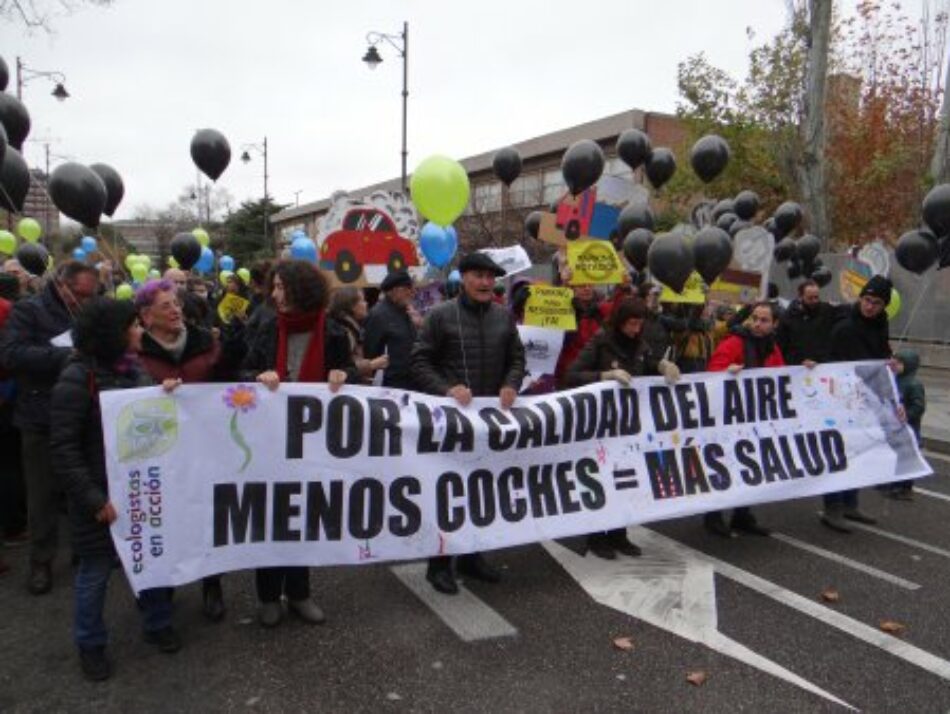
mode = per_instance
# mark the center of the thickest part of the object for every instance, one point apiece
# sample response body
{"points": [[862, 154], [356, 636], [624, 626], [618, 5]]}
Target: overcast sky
{"points": [[145, 75]]}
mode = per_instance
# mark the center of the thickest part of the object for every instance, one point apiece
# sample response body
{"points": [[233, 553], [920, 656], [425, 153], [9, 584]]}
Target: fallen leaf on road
{"points": [[697, 679], [830, 595], [892, 628], [623, 643]]}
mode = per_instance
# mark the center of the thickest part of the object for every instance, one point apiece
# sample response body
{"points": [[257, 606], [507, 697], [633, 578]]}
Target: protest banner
{"points": [[594, 262], [542, 347], [218, 477], [736, 287], [552, 307], [232, 306]]}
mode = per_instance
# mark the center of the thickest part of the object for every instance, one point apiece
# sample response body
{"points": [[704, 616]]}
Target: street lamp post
{"points": [[372, 58], [24, 74], [246, 158]]}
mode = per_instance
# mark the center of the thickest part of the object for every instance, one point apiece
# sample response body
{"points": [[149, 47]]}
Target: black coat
{"points": [[77, 451], [608, 350], [26, 352], [856, 338], [262, 355], [464, 342], [389, 330], [805, 335]]}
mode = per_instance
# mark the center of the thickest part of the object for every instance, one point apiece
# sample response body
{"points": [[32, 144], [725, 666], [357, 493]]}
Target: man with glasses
{"points": [[34, 347], [862, 335]]}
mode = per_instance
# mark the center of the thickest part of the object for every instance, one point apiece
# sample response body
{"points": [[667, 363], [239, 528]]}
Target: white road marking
{"points": [[897, 647], [901, 539], [672, 589], [931, 494], [847, 562], [935, 456], [466, 615]]}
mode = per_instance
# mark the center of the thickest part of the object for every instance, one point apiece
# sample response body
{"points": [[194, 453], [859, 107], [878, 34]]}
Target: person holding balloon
{"points": [[298, 344]]}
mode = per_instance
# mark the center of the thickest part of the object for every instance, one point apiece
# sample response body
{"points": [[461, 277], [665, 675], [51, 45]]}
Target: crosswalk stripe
{"points": [[931, 494], [901, 539], [464, 613], [847, 562]]}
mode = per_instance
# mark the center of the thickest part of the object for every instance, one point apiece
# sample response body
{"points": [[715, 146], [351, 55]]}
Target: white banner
{"points": [[216, 478]]}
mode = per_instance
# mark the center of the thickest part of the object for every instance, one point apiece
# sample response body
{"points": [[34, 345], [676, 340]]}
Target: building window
{"points": [[526, 190], [487, 197]]}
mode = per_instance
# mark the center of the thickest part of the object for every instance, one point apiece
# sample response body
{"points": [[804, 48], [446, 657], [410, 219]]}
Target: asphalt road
{"points": [[385, 649]]}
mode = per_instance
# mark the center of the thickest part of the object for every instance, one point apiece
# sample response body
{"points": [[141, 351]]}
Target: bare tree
{"points": [[940, 166], [812, 170], [40, 14]]}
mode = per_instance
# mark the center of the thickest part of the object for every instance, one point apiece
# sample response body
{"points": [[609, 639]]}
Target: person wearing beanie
{"points": [[861, 335], [389, 330]]}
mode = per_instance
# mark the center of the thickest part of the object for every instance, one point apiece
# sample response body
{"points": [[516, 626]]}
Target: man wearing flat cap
{"points": [[389, 329], [861, 335], [469, 347]]}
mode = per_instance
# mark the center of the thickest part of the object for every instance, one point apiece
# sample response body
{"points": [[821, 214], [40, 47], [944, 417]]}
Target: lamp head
{"points": [[59, 91], [372, 57]]}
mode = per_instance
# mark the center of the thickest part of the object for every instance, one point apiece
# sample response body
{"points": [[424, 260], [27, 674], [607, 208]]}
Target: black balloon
{"points": [[726, 205], [78, 192], [532, 224], [787, 217], [507, 165], [794, 270], [822, 276], [936, 209], [709, 157], [634, 148], [660, 167], [747, 205], [726, 220], [186, 250], [33, 257], [769, 225], [670, 260], [943, 253], [3, 142], [211, 152], [635, 215], [4, 74], [916, 253], [739, 225], [712, 252], [807, 248], [15, 119], [636, 247], [582, 165], [115, 189], [14, 181], [784, 250]]}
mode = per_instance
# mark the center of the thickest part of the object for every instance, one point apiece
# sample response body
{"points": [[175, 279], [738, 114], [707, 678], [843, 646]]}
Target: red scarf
{"points": [[312, 367]]}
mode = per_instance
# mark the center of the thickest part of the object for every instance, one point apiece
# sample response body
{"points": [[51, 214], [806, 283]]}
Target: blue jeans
{"points": [[842, 501], [92, 582]]}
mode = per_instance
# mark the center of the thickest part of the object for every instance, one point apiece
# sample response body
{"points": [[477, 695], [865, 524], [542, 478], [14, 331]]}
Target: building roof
{"points": [[531, 149]]}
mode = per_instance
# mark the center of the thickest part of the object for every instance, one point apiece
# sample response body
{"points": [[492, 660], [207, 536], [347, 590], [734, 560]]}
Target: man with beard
{"points": [[747, 347], [804, 329]]}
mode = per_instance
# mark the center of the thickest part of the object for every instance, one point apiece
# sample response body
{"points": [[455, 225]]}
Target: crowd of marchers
{"points": [[63, 340]]}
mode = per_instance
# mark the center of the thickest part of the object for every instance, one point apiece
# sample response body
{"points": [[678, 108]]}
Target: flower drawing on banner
{"points": [[242, 399]]}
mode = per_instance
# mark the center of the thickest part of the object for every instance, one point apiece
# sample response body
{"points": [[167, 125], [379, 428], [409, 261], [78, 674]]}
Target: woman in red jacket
{"points": [[751, 346]]}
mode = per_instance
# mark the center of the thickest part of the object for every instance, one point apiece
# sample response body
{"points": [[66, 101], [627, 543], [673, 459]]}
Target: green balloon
{"points": [[29, 229], [440, 189], [894, 306], [124, 292], [224, 275], [139, 272], [202, 235], [7, 243], [244, 274]]}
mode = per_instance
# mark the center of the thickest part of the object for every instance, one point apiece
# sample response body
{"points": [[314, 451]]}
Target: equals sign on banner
{"points": [[625, 478]]}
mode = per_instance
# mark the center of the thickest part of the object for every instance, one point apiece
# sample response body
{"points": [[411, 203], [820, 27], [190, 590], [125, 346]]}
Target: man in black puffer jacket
{"points": [[27, 352], [862, 335], [469, 347], [804, 330], [389, 330]]}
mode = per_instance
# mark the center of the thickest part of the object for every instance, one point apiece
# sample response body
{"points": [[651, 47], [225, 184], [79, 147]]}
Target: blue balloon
{"points": [[89, 244], [455, 276], [205, 263], [438, 245], [226, 262], [79, 254], [303, 248]]}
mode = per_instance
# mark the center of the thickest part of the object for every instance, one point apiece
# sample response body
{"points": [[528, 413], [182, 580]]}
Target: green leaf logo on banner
{"points": [[147, 428]]}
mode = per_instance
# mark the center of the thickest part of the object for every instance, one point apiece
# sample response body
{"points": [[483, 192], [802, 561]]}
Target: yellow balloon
{"points": [[894, 306], [202, 235], [139, 272], [124, 292], [224, 275], [172, 263], [29, 229], [440, 189]]}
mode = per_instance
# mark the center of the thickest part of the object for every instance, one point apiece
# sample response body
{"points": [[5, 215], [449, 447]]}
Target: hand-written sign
{"points": [[594, 262], [552, 307], [232, 306]]}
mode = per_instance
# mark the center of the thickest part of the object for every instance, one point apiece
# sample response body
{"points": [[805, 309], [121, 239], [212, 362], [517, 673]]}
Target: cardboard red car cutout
{"points": [[367, 237]]}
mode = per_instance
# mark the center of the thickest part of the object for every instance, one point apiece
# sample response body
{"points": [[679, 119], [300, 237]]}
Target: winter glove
{"points": [[670, 372], [618, 375]]}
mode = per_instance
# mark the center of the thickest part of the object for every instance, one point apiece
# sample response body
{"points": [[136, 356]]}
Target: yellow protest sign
{"points": [[232, 306], [551, 307], [594, 262], [694, 292]]}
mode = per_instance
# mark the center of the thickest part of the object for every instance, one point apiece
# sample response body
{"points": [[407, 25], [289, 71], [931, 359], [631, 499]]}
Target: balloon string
{"points": [[917, 303]]}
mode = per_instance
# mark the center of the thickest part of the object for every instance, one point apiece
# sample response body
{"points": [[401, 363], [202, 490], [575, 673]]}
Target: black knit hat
{"points": [[879, 287], [396, 279]]}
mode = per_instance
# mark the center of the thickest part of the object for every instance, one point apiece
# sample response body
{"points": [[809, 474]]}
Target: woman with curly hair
{"points": [[106, 336], [296, 344]]}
